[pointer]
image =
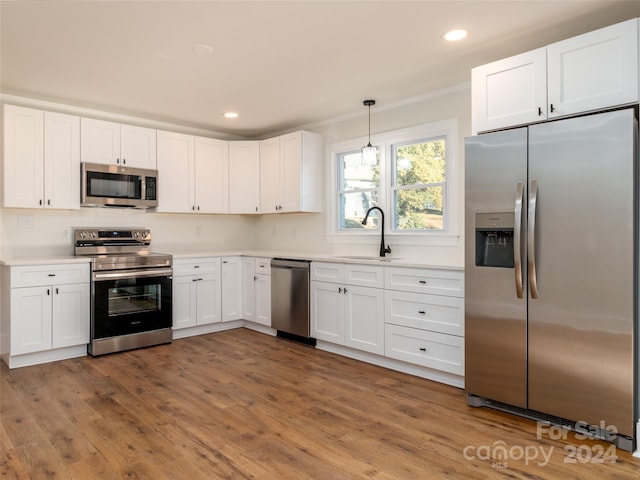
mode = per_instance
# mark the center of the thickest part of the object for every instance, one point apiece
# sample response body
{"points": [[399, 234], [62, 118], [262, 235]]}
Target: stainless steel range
{"points": [[130, 289]]}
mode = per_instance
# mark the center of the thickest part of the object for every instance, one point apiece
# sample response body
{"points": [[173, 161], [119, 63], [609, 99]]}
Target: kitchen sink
{"points": [[367, 258]]}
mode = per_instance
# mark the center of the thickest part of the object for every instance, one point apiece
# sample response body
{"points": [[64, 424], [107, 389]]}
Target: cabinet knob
{"points": [[198, 207], [552, 108], [539, 111], [117, 160], [49, 202], [40, 201], [345, 290], [124, 161], [339, 289]]}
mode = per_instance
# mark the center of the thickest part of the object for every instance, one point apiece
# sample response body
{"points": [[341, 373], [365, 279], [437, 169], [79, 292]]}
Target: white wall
{"points": [[38, 233], [48, 233], [306, 232]]}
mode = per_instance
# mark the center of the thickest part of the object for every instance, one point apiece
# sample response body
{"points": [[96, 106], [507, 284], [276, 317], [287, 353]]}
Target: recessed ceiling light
{"points": [[230, 115], [454, 35], [202, 49]]}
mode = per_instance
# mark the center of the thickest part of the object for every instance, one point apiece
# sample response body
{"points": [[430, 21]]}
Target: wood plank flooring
{"points": [[240, 404]]}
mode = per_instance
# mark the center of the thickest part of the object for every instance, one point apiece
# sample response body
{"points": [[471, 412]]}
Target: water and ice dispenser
{"points": [[494, 240]]}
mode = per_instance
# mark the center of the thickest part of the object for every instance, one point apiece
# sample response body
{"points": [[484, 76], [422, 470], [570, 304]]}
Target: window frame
{"points": [[448, 236]]}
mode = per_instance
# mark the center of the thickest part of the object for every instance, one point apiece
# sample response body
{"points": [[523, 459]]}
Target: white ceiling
{"points": [[280, 65]]}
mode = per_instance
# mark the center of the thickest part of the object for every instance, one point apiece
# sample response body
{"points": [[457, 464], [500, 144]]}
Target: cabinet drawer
{"points": [[327, 272], [435, 313], [364, 275], [428, 349], [36, 275], [263, 266], [196, 265], [433, 281]]}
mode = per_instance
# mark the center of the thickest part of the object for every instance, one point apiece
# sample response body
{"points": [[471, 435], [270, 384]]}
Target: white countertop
{"points": [[317, 257], [28, 261], [181, 254]]}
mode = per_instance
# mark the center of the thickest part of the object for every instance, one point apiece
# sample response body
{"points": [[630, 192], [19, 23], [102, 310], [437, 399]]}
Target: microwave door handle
{"points": [[517, 234]]}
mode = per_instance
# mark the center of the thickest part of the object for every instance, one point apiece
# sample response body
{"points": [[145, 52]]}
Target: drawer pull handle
{"points": [[57, 291], [339, 289], [423, 282], [422, 312], [423, 349], [48, 292], [196, 266], [51, 275]]}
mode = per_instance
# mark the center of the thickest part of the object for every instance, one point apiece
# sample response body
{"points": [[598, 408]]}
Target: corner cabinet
{"points": [[588, 72], [244, 177], [290, 169], [118, 144], [41, 159], [46, 313]]}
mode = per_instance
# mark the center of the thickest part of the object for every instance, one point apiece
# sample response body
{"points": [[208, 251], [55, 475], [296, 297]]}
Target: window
{"points": [[418, 185], [358, 189], [414, 182]]}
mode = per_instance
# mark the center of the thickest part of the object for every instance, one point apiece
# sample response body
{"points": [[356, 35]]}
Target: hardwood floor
{"points": [[240, 404]]}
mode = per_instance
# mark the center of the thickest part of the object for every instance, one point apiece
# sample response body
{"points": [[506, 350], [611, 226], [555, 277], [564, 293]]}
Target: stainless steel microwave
{"points": [[116, 186]]}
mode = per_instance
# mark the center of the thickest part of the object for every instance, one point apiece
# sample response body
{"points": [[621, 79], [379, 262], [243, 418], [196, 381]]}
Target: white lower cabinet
{"points": [[196, 292], [231, 288], [46, 314], [424, 317], [256, 287], [345, 312]]}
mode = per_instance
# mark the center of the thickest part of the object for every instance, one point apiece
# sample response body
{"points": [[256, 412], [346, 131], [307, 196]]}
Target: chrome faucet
{"points": [[383, 250]]}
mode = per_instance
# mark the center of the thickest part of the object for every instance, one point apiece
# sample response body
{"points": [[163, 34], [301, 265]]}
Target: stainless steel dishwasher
{"points": [[290, 298]]}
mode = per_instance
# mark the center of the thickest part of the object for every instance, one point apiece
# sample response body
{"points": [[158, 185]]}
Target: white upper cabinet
{"points": [[244, 177], [41, 159], [290, 173], [595, 70], [176, 158], [211, 180], [512, 91], [192, 174], [589, 72], [115, 143]]}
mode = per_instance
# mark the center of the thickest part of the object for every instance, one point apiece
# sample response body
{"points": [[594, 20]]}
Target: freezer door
{"points": [[582, 309], [495, 308]]}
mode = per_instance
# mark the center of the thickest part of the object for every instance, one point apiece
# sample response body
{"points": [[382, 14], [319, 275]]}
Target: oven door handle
{"points": [[138, 273]]}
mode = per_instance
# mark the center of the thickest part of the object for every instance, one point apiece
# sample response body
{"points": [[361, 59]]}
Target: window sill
{"points": [[417, 239]]}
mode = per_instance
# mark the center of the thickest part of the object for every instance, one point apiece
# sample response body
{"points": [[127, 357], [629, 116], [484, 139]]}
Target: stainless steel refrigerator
{"points": [[551, 272]]}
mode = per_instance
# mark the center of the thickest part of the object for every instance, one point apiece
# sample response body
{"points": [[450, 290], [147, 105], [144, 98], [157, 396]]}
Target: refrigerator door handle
{"points": [[531, 243], [517, 232]]}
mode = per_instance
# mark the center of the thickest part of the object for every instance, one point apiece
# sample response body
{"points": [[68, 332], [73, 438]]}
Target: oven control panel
{"points": [[111, 236]]}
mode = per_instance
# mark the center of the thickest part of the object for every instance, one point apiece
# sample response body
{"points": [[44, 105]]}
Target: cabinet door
{"points": [[248, 288], [61, 161], [291, 172], [211, 180], [327, 312], [30, 319], [263, 299], [231, 288], [183, 302], [270, 198], [23, 157], [512, 91], [175, 172], [99, 141], [364, 318], [596, 70], [71, 317], [138, 147], [208, 308], [244, 177]]}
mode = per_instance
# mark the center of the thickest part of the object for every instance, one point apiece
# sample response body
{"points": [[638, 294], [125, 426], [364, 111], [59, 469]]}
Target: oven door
{"points": [[130, 301]]}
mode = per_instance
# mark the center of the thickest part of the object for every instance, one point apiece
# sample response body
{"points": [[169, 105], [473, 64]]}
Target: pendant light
{"points": [[369, 153]]}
